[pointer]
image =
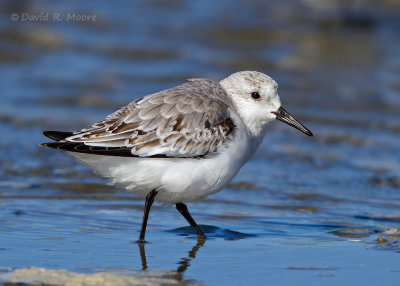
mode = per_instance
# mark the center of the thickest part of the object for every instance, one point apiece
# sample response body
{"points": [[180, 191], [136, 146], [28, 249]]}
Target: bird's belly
{"points": [[176, 179], [193, 179]]}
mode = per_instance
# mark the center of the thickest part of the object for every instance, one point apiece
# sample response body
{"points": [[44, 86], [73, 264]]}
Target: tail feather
{"points": [[82, 148], [57, 135]]}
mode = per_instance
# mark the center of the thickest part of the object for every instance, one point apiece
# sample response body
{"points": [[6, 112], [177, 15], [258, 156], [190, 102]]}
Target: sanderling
{"points": [[181, 144]]}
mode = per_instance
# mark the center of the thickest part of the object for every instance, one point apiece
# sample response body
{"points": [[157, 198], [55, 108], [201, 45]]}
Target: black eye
{"points": [[255, 95]]}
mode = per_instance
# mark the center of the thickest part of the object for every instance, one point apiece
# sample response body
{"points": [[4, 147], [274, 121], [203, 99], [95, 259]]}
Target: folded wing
{"points": [[190, 120]]}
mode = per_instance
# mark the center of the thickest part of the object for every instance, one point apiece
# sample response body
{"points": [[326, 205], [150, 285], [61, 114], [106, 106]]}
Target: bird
{"points": [[181, 144]]}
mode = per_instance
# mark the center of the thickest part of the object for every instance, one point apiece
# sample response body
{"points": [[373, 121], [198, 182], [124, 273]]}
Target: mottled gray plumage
{"points": [[157, 140], [190, 120]]}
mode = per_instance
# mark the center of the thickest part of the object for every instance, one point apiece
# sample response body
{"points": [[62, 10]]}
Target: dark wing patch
{"points": [[107, 151], [57, 135]]}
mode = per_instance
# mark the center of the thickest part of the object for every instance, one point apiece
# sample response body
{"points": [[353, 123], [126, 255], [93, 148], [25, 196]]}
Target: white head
{"points": [[255, 97]]}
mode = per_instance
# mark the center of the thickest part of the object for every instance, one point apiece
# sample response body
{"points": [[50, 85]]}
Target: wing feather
{"points": [[190, 120]]}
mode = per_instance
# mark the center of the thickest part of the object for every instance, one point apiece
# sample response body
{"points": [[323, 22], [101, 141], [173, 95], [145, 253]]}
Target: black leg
{"points": [[149, 201], [181, 207]]}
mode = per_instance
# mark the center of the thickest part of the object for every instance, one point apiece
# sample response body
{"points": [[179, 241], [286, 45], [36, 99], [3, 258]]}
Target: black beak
{"points": [[285, 117]]}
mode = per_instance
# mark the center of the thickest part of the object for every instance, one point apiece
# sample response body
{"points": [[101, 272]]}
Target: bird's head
{"points": [[256, 99]]}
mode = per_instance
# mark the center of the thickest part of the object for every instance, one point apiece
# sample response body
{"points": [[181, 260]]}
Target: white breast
{"points": [[177, 179]]}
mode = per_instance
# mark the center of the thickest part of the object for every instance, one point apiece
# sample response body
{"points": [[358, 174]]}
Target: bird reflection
{"points": [[142, 252], [183, 263]]}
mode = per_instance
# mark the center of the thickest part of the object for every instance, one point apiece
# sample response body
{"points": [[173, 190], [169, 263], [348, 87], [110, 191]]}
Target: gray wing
{"points": [[190, 120]]}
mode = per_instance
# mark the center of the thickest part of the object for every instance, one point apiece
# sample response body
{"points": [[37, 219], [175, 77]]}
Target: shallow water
{"points": [[304, 211]]}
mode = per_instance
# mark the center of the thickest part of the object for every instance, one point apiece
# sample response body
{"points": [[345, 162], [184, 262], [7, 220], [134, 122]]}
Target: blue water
{"points": [[304, 211]]}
